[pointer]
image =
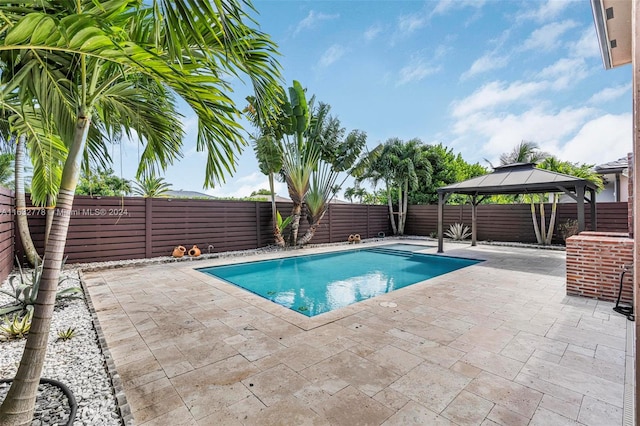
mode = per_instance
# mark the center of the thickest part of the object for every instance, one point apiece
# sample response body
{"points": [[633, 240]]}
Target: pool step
{"points": [[403, 253]]}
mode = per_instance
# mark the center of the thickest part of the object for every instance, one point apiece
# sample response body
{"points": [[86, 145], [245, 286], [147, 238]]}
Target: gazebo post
{"points": [[474, 219], [440, 219], [580, 202]]}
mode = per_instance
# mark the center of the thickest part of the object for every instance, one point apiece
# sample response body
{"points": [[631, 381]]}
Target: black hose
{"points": [[73, 405], [624, 310]]}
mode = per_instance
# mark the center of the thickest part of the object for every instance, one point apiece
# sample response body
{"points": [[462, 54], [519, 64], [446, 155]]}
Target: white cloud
{"points": [[485, 63], [409, 23], [586, 46], [501, 132], [331, 55], [445, 6], [313, 19], [544, 11], [245, 185], [547, 37], [416, 70], [496, 94], [599, 140], [610, 94], [564, 72], [372, 32]]}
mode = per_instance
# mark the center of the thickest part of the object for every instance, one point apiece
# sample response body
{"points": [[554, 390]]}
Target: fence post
{"points": [[148, 227], [330, 223], [368, 219], [258, 236]]}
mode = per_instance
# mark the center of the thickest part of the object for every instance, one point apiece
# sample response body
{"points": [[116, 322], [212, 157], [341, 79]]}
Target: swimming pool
{"points": [[315, 284]]}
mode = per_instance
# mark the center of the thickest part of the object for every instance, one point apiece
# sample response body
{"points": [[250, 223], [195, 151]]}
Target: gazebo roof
{"points": [[518, 178]]}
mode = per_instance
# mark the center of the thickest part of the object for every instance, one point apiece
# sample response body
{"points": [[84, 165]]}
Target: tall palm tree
{"points": [[544, 235], [376, 167], [396, 164], [113, 66]]}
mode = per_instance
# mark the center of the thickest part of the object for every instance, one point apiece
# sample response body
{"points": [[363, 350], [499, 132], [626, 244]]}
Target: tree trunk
{"points": [[277, 232], [405, 200], [400, 209], [295, 223], [391, 216], [311, 231], [21, 207], [19, 404], [534, 216], [543, 222], [49, 218], [552, 219]]}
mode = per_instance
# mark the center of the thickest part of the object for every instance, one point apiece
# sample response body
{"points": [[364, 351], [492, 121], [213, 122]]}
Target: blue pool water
{"points": [[315, 284]]}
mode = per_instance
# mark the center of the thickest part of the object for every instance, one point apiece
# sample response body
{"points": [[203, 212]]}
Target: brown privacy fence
{"points": [[114, 228], [511, 222], [6, 232]]}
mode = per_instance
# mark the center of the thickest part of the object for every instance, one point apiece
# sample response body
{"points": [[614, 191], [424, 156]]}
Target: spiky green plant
{"points": [[458, 232], [16, 327], [24, 291], [67, 334]]}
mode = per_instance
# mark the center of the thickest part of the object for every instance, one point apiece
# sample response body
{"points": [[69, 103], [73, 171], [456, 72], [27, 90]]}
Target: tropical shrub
{"points": [[15, 327], [24, 291], [568, 229], [67, 334], [458, 232]]}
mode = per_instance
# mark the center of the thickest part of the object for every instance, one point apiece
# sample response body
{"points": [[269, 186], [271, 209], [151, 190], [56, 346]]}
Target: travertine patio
{"points": [[494, 343]]}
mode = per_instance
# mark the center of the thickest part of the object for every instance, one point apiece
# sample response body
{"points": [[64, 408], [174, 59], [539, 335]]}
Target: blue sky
{"points": [[478, 76]]}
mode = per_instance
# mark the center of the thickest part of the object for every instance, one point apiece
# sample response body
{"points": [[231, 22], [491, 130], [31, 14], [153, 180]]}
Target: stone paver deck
{"points": [[497, 343]]}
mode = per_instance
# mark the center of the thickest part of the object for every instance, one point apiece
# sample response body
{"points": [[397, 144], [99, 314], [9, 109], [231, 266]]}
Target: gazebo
{"points": [[518, 178]]}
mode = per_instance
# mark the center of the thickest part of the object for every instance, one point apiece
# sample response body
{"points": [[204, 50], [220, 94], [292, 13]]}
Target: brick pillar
{"points": [[630, 200]]}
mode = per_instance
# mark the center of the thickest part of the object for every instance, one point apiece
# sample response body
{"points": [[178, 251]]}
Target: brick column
{"points": [[630, 192]]}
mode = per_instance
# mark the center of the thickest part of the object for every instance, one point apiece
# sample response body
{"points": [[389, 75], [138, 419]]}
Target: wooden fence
{"points": [[7, 228], [113, 228], [511, 222]]}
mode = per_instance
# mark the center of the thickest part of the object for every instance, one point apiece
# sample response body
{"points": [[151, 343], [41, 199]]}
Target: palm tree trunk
{"points": [[295, 222], [391, 216], [552, 219], [534, 216], [405, 200], [21, 207], [311, 231], [543, 221], [277, 232], [19, 404], [49, 218], [399, 209]]}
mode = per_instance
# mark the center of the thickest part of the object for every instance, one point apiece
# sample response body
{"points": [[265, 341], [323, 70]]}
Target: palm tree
{"points": [[524, 152], [114, 67], [350, 193], [337, 154], [396, 164], [376, 168], [21, 206], [544, 235], [150, 187]]}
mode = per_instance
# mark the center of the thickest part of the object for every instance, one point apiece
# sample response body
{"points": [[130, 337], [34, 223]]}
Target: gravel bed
{"points": [[78, 363]]}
